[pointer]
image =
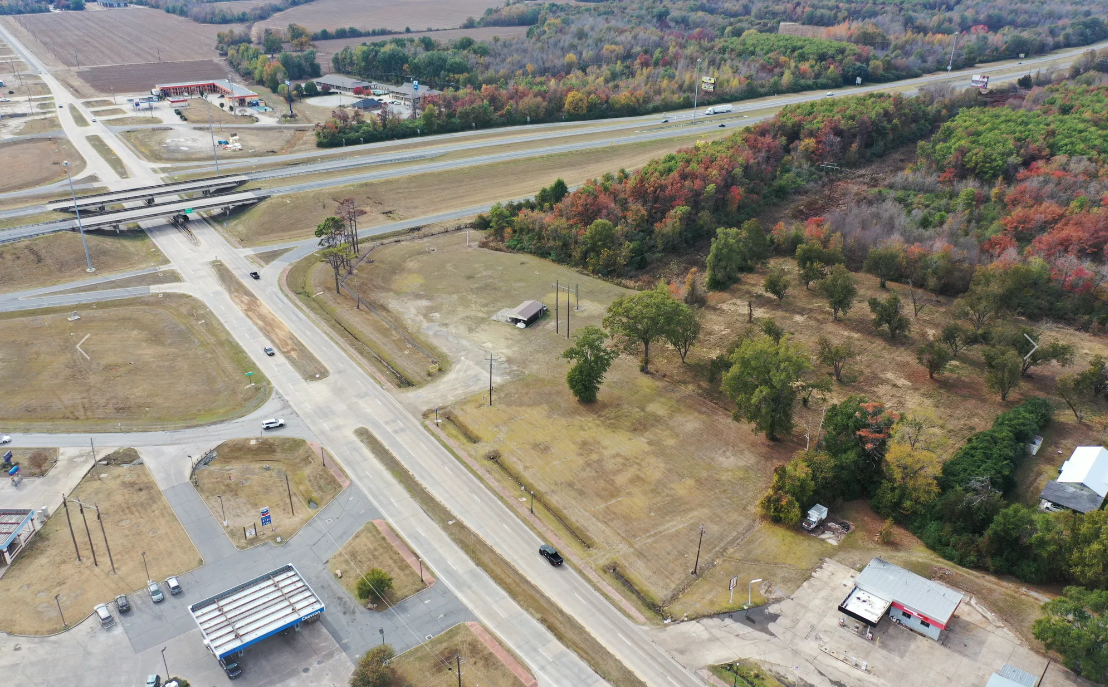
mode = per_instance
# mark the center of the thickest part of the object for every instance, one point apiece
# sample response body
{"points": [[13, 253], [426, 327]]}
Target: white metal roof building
{"points": [[1011, 676], [925, 606], [252, 611], [1082, 484]]}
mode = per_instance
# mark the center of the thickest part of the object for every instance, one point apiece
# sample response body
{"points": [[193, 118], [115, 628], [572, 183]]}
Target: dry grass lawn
{"points": [[369, 549], [153, 363], [39, 125], [109, 112], [299, 356], [39, 162], [200, 109], [149, 279], [105, 151], [403, 197], [189, 145], [77, 116], [432, 664], [136, 519], [60, 257], [250, 474]]}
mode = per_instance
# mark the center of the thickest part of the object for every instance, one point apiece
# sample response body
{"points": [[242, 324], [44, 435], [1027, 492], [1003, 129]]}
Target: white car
{"points": [[5, 439], [5, 100], [829, 95], [273, 423]]}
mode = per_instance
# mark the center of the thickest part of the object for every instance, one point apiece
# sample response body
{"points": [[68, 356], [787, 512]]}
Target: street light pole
{"points": [[60, 610], [222, 510], [80, 226], [382, 631], [952, 49], [532, 502], [696, 90], [212, 132], [696, 565], [166, 665], [145, 566], [750, 593]]}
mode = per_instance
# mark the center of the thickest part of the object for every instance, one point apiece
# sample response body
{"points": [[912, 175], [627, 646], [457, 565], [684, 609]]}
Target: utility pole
{"points": [[103, 532], [696, 565], [290, 494], [491, 358], [144, 565], [212, 132], [577, 296], [81, 507], [458, 658], [696, 91], [222, 509], [60, 610], [70, 523], [557, 294], [557, 315], [92, 447]]}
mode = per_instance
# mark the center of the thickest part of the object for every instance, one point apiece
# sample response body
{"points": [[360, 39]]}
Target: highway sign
{"points": [[734, 581], [188, 211], [267, 519]]}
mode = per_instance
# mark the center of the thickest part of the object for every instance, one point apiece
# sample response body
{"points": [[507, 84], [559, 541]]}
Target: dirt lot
{"points": [[429, 665], [296, 216], [60, 257], [136, 518], [125, 36], [287, 344], [369, 549], [39, 162], [182, 144], [325, 49], [140, 78], [137, 348], [250, 474], [372, 14]]}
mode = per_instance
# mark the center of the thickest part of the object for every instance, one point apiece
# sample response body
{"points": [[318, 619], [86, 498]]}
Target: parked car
{"points": [[105, 615], [551, 554], [122, 604], [156, 594], [232, 669], [153, 681], [255, 275], [5, 100], [5, 439], [269, 351], [94, 119], [174, 586], [273, 423]]}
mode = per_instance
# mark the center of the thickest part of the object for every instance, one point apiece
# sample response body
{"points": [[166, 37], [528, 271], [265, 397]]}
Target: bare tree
{"points": [[916, 297]]}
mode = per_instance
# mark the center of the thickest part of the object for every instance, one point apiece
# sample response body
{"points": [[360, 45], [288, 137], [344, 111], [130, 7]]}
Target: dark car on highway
{"points": [[551, 554], [255, 275]]}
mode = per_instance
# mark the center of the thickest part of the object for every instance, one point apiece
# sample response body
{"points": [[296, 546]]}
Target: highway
{"points": [[332, 408]]}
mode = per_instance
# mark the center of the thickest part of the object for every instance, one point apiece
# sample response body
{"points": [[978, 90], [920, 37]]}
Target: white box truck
{"points": [[719, 109]]}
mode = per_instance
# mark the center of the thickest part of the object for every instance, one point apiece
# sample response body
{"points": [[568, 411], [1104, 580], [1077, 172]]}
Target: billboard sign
{"points": [[267, 519], [980, 81], [708, 83]]}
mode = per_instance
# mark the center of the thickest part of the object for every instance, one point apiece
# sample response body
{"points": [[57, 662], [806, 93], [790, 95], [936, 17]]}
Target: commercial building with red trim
{"points": [[240, 95], [915, 602]]}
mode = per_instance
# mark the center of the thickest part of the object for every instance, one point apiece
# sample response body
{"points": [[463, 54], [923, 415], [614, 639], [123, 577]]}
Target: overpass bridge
{"points": [[99, 202]]}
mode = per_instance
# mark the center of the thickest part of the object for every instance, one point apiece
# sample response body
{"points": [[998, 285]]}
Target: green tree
{"points": [[725, 259], [839, 289], [271, 42], [773, 330], [591, 362], [835, 356], [792, 490], [764, 382], [886, 313], [777, 282], [812, 260], [1075, 394], [886, 262], [683, 330], [1075, 625], [979, 306], [373, 668], [934, 356], [1020, 341], [956, 337], [374, 585], [1094, 379], [1004, 369], [1088, 564], [338, 257], [642, 318]]}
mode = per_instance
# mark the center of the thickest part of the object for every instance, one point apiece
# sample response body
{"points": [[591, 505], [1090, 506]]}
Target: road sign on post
{"points": [[267, 519], [731, 588]]}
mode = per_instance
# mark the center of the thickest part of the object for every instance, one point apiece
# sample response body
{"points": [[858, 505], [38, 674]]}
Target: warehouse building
{"points": [[910, 600], [526, 313], [250, 612]]}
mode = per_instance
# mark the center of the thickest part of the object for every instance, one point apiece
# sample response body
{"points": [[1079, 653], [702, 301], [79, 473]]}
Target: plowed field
{"points": [[374, 14]]}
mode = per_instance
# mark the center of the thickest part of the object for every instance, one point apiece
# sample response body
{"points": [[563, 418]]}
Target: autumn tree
{"points": [[1004, 369], [373, 669], [839, 289], [591, 362], [886, 313], [693, 296], [640, 319], [777, 282], [764, 381], [934, 356], [910, 481], [791, 491], [835, 356]]}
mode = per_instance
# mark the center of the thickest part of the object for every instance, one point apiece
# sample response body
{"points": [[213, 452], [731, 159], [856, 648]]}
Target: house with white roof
{"points": [[1082, 483]]}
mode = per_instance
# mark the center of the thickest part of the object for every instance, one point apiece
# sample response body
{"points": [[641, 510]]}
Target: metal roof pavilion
{"points": [[920, 594], [12, 521], [252, 611]]}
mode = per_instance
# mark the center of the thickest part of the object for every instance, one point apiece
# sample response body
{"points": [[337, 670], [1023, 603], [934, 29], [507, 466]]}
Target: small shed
{"points": [[526, 313]]}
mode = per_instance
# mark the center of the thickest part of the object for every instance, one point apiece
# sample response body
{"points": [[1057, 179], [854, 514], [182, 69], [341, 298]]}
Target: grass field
{"points": [[188, 145], [100, 102], [136, 78], [77, 116], [375, 336], [39, 125], [369, 549], [105, 151], [109, 112], [39, 162], [136, 518], [60, 257], [148, 279], [137, 350], [299, 356], [250, 474], [430, 664], [200, 109], [367, 14], [296, 215]]}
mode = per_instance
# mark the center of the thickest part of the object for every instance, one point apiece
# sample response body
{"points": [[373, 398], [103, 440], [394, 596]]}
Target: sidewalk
{"points": [[36, 492]]}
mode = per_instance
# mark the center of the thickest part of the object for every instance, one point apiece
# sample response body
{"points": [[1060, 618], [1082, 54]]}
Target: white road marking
{"points": [[79, 347]]}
